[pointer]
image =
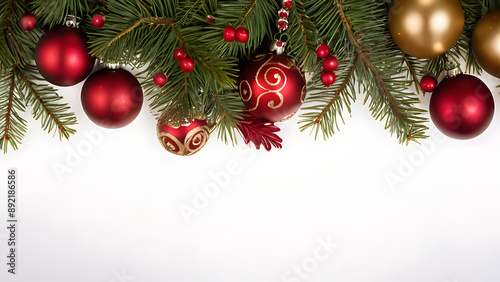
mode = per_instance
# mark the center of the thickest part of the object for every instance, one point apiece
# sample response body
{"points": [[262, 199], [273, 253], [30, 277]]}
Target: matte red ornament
{"points": [[160, 79], [210, 19], [187, 64], [27, 22], [328, 78], [62, 58], [229, 33], [182, 139], [287, 4], [112, 98], [322, 51], [242, 34], [272, 87], [98, 20], [462, 107], [330, 63], [179, 54], [428, 83]]}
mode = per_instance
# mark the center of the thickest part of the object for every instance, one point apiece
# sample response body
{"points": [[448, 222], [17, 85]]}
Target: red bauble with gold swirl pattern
{"points": [[272, 87], [182, 139]]}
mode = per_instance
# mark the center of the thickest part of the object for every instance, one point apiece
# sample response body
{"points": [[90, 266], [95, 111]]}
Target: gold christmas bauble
{"points": [[426, 28], [486, 42]]}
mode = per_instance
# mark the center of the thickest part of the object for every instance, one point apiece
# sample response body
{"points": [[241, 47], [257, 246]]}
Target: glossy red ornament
{"points": [[187, 64], [179, 54], [272, 87], [242, 34], [210, 19], [428, 83], [229, 33], [462, 107], [282, 13], [287, 4], [328, 78], [27, 22], [182, 139], [61, 56], [98, 21], [112, 98], [160, 79], [322, 51], [330, 63]]}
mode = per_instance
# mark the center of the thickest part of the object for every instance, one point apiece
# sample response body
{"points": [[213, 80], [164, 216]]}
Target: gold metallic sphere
{"points": [[486, 42], [426, 28]]}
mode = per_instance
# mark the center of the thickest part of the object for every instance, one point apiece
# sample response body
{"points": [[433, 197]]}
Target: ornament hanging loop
{"points": [[72, 21]]}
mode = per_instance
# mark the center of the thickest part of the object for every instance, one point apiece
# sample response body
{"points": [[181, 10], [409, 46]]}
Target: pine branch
{"points": [[45, 102], [52, 13], [12, 125], [303, 39]]}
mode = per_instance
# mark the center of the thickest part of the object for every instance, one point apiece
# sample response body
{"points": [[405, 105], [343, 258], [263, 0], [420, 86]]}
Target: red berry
{"points": [[98, 20], [242, 34], [282, 13], [210, 19], [229, 33], [283, 23], [27, 22], [187, 64], [328, 78], [287, 4], [160, 79], [428, 83], [330, 63], [179, 54], [322, 51]]}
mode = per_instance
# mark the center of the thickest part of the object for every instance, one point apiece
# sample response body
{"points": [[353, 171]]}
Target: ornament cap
{"points": [[72, 21], [113, 64]]}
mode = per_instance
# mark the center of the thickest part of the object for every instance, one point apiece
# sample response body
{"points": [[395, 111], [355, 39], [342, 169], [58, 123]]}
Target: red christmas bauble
{"points": [[229, 33], [27, 22], [428, 83], [330, 63], [61, 56], [187, 64], [462, 107], [112, 98], [160, 79], [328, 78], [183, 139], [98, 21], [242, 34], [322, 51], [272, 87], [179, 54]]}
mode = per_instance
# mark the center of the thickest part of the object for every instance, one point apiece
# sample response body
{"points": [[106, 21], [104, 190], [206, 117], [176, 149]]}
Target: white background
{"points": [[390, 213]]}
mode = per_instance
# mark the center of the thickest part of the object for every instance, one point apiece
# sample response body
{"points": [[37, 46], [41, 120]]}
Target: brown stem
{"points": [[42, 102], [150, 21], [242, 19], [9, 108], [412, 71], [337, 93]]}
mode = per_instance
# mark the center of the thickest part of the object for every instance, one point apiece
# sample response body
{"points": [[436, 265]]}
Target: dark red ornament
{"points": [[229, 33], [282, 13], [27, 22], [328, 78], [272, 87], [210, 19], [160, 79], [428, 83], [242, 34], [112, 98], [330, 63], [182, 139], [287, 4], [282, 24], [98, 20], [322, 51], [179, 54], [187, 64], [462, 107], [62, 58]]}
